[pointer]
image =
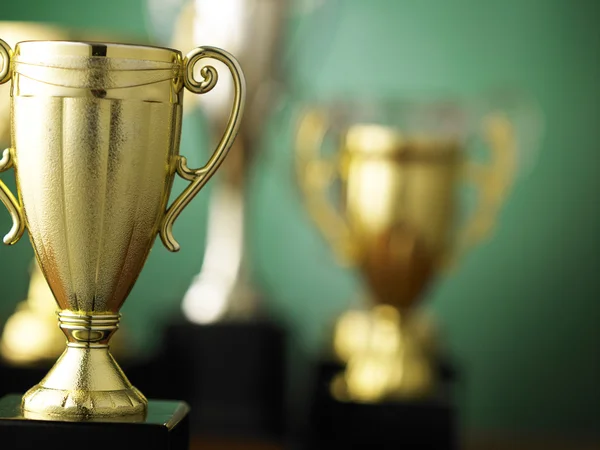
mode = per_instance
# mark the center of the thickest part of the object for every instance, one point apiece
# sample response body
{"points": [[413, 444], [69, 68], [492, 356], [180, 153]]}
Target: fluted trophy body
{"points": [[105, 167], [96, 131]]}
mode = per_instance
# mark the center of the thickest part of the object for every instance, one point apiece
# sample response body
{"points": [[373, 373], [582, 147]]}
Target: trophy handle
{"points": [[199, 177], [493, 180], [6, 196], [315, 176]]}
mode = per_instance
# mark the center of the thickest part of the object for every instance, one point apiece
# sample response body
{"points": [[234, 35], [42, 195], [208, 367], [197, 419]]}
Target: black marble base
{"points": [[166, 427], [232, 374], [424, 424]]}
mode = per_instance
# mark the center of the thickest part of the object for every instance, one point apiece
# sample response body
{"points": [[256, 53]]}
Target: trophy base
{"points": [[40, 402], [147, 374], [85, 382], [232, 375], [429, 422], [165, 427]]}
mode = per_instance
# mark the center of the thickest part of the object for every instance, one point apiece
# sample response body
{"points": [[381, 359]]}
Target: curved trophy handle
{"points": [[493, 180], [6, 196], [315, 176], [199, 177]]}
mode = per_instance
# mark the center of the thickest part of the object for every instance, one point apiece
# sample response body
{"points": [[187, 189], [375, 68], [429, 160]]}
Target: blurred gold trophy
{"points": [[18, 345], [398, 169], [95, 148], [30, 334]]}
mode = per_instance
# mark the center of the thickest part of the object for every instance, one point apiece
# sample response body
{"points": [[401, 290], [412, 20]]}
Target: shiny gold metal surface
{"points": [[395, 220], [96, 129], [13, 32], [30, 335], [19, 346], [388, 355]]}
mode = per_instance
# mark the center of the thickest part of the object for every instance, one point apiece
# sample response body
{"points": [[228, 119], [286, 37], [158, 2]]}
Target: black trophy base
{"points": [[423, 424], [166, 427], [232, 374]]}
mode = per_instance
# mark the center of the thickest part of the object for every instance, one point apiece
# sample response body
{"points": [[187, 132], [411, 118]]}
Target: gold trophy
{"points": [[18, 346], [381, 183], [95, 148]]}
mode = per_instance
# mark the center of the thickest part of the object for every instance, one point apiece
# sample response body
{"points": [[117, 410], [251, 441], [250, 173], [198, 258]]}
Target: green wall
{"points": [[521, 313]]}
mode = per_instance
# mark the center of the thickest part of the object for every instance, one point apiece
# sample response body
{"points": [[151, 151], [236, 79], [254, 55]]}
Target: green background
{"points": [[521, 313]]}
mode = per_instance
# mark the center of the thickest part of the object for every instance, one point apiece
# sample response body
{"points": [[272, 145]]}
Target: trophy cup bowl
{"points": [[397, 170], [95, 148]]}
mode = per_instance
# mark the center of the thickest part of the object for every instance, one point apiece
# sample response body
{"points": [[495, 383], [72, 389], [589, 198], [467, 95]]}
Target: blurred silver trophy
{"points": [[252, 29], [223, 333]]}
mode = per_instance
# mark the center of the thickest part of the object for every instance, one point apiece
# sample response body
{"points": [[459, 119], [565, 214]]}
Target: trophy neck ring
{"points": [[88, 330]]}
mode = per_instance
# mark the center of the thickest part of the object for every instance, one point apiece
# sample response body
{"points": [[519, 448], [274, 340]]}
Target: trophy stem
{"points": [[86, 382]]}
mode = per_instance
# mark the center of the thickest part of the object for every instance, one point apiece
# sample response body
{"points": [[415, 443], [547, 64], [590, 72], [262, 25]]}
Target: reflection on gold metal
{"points": [[96, 129], [13, 32], [395, 222]]}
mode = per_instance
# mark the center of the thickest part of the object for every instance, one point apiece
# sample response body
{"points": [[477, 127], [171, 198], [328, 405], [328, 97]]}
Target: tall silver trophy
{"points": [[254, 28], [224, 324]]}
